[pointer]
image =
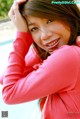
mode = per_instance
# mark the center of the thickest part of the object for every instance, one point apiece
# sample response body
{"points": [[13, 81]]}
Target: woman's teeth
{"points": [[52, 44]]}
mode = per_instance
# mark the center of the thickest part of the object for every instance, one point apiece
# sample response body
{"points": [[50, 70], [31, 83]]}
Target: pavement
{"points": [[7, 30]]}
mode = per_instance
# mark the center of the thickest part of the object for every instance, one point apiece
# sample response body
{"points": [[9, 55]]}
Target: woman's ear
{"points": [[78, 40]]}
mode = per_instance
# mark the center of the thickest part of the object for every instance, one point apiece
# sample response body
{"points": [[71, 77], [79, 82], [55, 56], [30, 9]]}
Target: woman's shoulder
{"points": [[67, 52], [70, 48]]}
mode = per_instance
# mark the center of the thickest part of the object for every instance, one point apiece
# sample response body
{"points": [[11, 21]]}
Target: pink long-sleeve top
{"points": [[57, 78]]}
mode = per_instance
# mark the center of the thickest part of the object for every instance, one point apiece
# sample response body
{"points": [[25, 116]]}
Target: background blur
{"points": [[4, 8]]}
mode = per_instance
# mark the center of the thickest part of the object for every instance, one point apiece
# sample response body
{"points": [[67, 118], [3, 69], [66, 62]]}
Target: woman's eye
{"points": [[33, 29], [49, 21]]}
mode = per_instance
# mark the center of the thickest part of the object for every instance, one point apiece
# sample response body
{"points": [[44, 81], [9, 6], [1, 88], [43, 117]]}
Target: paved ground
{"points": [[7, 30]]}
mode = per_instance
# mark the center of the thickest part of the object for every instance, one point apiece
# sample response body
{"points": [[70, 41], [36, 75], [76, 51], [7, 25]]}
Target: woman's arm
{"points": [[54, 75], [31, 58]]}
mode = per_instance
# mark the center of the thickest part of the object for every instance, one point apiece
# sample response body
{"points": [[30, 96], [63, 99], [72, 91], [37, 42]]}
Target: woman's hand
{"points": [[78, 40], [17, 19]]}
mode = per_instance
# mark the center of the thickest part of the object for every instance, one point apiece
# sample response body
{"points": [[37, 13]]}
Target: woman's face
{"points": [[48, 34]]}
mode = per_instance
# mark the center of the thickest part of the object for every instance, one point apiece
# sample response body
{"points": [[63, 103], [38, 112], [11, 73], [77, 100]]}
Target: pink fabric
{"points": [[27, 78]]}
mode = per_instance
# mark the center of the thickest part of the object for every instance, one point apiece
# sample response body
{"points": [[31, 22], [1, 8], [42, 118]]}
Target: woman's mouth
{"points": [[53, 44]]}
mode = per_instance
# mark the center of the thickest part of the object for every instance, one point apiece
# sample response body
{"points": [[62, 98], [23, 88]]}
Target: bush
{"points": [[5, 7]]}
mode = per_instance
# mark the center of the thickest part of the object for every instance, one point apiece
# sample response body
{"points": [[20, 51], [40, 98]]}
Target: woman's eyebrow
{"points": [[31, 24]]}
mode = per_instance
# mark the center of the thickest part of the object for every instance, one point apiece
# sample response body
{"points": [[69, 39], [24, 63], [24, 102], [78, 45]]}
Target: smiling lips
{"points": [[52, 44]]}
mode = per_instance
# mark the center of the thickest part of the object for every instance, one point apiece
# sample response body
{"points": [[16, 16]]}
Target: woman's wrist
{"points": [[25, 36], [22, 43]]}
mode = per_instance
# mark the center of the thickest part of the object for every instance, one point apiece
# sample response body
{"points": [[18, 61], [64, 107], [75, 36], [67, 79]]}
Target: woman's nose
{"points": [[45, 35]]}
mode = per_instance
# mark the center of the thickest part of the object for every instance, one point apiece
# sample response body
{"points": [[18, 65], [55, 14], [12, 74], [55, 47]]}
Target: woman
{"points": [[50, 69]]}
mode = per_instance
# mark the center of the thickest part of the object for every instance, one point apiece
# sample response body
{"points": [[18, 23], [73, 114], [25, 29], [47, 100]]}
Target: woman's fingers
{"points": [[17, 18], [14, 11]]}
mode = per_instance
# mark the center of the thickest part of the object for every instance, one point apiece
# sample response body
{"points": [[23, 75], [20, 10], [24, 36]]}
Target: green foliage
{"points": [[5, 7]]}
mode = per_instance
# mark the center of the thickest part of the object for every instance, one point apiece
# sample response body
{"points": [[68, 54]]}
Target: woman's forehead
{"points": [[33, 18]]}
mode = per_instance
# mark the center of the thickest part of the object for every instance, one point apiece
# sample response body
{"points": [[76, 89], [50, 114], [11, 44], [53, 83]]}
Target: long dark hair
{"points": [[44, 9]]}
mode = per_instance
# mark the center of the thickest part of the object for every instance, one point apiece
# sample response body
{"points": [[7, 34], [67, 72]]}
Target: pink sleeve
{"points": [[26, 42], [54, 75]]}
